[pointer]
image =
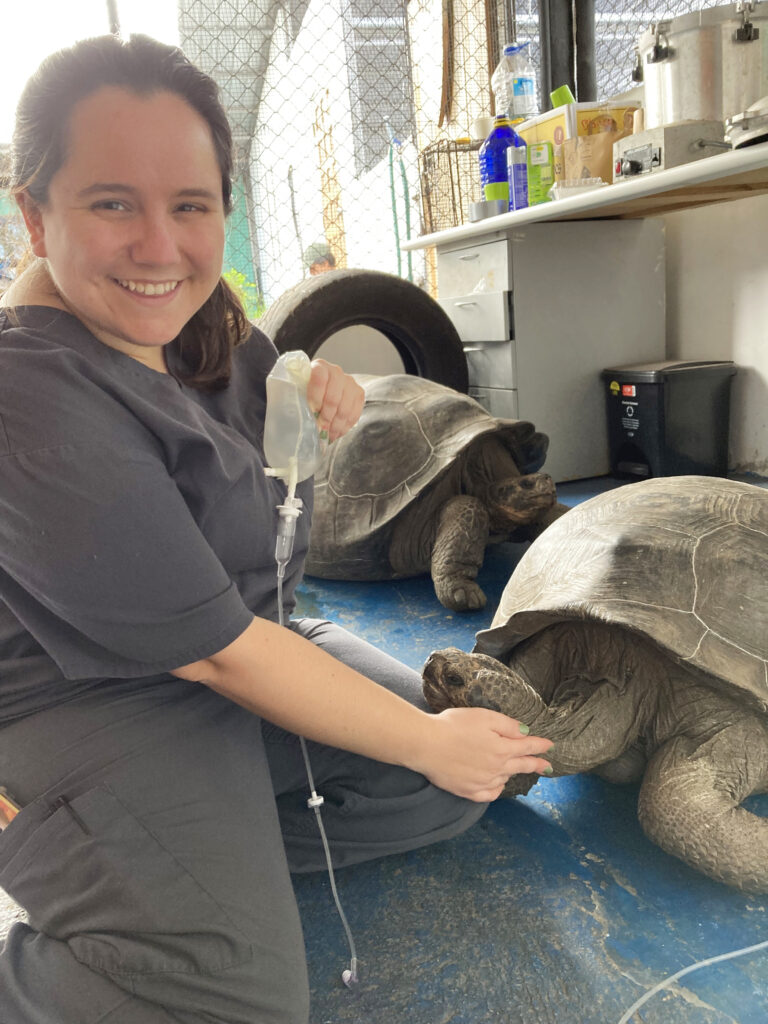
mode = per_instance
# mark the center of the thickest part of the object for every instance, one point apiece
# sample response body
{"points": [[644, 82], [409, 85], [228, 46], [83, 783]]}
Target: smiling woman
{"points": [[151, 701], [132, 229], [145, 206]]}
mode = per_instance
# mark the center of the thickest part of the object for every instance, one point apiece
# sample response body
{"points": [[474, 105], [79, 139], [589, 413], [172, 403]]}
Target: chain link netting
{"points": [[353, 122], [332, 105]]}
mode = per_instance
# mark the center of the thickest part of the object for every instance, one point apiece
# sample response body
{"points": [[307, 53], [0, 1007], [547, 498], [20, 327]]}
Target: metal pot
{"points": [[705, 66]]}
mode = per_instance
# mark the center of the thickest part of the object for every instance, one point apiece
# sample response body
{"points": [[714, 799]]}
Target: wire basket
{"points": [[450, 181]]}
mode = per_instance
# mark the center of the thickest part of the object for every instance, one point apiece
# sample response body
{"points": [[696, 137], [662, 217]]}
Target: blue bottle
{"points": [[517, 168], [494, 176]]}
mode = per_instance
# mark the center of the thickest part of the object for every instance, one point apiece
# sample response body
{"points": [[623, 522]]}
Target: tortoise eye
{"points": [[453, 677]]}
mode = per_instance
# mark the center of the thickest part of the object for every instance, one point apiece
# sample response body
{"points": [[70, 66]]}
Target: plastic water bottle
{"points": [[494, 174], [291, 440], [514, 82], [517, 167]]}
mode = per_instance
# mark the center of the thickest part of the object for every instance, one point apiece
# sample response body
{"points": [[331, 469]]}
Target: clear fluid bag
{"points": [[291, 439]]}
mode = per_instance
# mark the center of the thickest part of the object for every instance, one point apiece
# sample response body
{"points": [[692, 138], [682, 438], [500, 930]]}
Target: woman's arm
{"points": [[286, 679]]}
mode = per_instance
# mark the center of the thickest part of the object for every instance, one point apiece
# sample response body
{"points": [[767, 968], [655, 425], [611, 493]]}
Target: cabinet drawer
{"points": [[491, 364], [486, 266], [498, 402], [479, 317]]}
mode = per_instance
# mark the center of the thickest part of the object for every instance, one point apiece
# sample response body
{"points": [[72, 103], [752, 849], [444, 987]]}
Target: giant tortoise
{"points": [[634, 634], [423, 483]]}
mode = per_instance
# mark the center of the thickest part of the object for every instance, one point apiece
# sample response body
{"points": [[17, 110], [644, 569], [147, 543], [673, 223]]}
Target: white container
{"points": [[705, 66]]}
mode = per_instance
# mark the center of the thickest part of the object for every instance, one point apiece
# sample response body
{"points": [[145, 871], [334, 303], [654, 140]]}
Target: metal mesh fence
{"points": [[332, 105], [348, 113]]}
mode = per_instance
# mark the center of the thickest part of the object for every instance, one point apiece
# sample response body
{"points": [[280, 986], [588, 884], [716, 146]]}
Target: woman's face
{"points": [[133, 226]]}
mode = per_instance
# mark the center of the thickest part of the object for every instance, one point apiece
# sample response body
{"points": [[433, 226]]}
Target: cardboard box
{"points": [[571, 132], [555, 126], [595, 118], [575, 120], [590, 156]]}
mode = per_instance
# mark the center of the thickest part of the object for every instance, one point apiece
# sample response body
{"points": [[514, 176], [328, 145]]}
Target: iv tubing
{"points": [[289, 513], [687, 970]]}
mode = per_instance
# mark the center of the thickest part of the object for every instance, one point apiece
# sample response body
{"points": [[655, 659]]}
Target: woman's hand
{"points": [[472, 752], [334, 397]]}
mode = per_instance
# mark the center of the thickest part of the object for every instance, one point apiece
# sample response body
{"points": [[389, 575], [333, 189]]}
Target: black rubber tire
{"points": [[425, 339]]}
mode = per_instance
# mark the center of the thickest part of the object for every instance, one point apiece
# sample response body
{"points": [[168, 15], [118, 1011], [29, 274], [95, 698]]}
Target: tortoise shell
{"points": [[680, 560], [409, 435]]}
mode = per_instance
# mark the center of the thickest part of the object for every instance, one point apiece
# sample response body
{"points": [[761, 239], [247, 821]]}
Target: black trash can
{"points": [[669, 418]]}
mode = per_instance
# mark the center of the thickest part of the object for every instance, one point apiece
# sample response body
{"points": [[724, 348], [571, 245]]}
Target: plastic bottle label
{"points": [[519, 186], [522, 87]]}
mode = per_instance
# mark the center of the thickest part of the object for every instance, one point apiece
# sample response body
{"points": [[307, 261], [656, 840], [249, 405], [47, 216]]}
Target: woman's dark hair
{"points": [[142, 66]]}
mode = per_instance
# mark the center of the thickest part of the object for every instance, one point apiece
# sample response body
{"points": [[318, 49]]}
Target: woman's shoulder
{"points": [[29, 332], [59, 386]]}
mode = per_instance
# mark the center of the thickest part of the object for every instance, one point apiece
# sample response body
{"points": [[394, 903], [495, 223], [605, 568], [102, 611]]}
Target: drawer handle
{"points": [[462, 305], [472, 348], [470, 256]]}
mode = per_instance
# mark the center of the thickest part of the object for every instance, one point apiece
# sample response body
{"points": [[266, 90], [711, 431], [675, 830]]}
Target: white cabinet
{"points": [[542, 309]]}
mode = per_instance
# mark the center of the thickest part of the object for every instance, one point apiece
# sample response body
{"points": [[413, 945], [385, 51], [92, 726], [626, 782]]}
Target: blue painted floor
{"points": [[554, 909]]}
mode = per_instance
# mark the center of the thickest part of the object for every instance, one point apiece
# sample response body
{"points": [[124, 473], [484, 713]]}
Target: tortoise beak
{"points": [[439, 678]]}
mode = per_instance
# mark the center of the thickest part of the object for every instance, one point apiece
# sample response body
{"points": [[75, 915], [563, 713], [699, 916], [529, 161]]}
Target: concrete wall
{"points": [[717, 308]]}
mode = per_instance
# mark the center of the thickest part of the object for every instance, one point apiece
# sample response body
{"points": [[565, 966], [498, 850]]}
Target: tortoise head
{"points": [[454, 679], [519, 501]]}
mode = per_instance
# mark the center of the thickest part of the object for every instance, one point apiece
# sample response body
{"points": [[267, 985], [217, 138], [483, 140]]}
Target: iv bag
{"points": [[291, 439]]}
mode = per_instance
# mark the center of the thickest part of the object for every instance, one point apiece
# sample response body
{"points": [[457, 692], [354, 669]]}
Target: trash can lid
{"points": [[643, 373]]}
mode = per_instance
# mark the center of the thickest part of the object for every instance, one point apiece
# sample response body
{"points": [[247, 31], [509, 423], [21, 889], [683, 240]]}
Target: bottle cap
{"points": [[562, 95]]}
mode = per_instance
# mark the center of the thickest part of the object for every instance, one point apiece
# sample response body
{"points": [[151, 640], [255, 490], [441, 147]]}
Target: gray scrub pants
{"points": [[153, 852]]}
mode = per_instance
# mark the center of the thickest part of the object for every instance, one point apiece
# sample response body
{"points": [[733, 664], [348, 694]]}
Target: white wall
{"points": [[717, 308]]}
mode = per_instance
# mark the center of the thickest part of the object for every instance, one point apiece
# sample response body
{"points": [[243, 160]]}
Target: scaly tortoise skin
{"points": [[423, 483], [634, 634]]}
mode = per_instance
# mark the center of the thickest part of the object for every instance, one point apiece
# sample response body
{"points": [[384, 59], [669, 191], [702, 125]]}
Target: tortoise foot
{"points": [[460, 595]]}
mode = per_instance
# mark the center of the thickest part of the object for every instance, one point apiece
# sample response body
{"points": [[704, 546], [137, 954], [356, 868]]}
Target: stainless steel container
{"points": [[705, 66]]}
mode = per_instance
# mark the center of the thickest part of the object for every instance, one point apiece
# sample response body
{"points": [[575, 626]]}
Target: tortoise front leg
{"points": [[689, 804], [459, 548]]}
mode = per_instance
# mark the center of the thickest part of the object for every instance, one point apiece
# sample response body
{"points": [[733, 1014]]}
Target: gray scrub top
{"points": [[137, 526]]}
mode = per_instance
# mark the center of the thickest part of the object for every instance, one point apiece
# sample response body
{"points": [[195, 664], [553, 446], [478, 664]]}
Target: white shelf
{"points": [[714, 179]]}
